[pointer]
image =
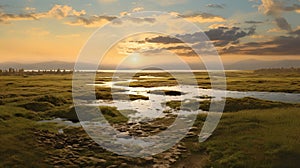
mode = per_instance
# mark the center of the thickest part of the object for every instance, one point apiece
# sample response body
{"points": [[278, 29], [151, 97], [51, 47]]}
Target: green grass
{"points": [[18, 145], [256, 138], [258, 134], [88, 113], [231, 104]]}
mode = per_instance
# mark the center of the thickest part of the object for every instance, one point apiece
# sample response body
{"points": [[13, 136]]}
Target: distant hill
{"points": [[250, 64]]}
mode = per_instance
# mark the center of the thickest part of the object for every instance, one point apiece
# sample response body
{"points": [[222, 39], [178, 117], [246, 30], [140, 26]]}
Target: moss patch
{"points": [[38, 106]]}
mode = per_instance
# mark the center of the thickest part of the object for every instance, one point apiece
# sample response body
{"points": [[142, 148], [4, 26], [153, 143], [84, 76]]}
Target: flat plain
{"points": [[252, 132]]}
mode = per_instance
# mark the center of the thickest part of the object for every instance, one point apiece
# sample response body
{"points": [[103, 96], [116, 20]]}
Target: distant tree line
{"points": [[22, 72], [279, 70]]}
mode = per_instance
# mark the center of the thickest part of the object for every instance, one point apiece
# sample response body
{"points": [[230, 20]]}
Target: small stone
{"points": [[172, 160], [148, 159], [124, 135]]}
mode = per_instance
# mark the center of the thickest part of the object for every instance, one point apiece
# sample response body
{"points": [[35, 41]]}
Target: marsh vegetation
{"points": [[252, 132]]}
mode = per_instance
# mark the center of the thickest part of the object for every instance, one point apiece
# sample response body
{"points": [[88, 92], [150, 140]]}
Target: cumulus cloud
{"points": [[61, 11], [275, 8], [73, 17], [57, 11]]}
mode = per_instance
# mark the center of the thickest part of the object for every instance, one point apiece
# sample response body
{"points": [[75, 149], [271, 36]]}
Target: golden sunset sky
{"points": [[35, 31]]}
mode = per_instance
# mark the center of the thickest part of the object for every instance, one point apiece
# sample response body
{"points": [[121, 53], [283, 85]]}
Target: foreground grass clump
{"points": [[247, 103], [256, 138], [232, 104], [38, 106], [88, 113], [18, 146], [55, 100]]}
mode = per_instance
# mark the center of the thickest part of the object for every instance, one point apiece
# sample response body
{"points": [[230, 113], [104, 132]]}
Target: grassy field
{"points": [[256, 133], [236, 81]]}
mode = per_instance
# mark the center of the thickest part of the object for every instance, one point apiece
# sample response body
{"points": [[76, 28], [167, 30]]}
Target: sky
{"points": [[57, 30]]}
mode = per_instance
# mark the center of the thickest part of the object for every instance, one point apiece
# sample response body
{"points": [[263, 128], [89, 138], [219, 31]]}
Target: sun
{"points": [[134, 58]]}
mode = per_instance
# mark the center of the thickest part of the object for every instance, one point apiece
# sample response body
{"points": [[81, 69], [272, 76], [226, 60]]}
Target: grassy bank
{"points": [[252, 138]]}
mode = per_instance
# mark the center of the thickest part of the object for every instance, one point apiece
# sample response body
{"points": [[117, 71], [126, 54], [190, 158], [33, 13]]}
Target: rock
{"points": [[97, 160], [148, 159], [163, 127], [181, 147], [139, 132], [155, 131], [124, 135], [123, 129], [172, 160], [191, 134], [193, 129]]}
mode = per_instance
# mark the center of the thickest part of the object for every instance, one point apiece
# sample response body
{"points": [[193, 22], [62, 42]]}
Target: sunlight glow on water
{"points": [[156, 104]]}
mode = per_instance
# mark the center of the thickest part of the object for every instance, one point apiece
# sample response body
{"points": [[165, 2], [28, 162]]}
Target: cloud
{"points": [[203, 17], [294, 7], [97, 21], [62, 11], [253, 22], [281, 45], [257, 36], [163, 40], [295, 32], [6, 18], [219, 6], [283, 24], [225, 35], [74, 17], [275, 30], [137, 9], [29, 9], [57, 11], [92, 21], [220, 37], [275, 8]]}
